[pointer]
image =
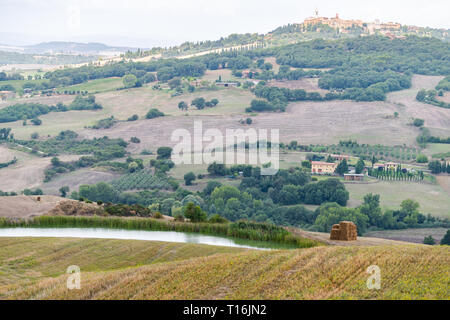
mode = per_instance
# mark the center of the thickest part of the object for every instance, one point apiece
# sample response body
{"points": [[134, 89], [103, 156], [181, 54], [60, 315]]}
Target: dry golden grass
{"points": [[118, 269]]}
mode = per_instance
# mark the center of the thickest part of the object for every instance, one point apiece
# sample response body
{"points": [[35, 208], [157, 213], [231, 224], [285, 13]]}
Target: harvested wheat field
{"points": [[123, 269]]}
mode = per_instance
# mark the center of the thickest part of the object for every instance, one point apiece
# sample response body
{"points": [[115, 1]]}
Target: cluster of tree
{"points": [[130, 165], [429, 240], [14, 76], [200, 103], [437, 167], [279, 97], [400, 174], [189, 178], [67, 142], [106, 192], [420, 55], [24, 111], [7, 87], [8, 163], [365, 77], [136, 78], [27, 192], [429, 96], [31, 192], [5, 134], [250, 201], [84, 103], [219, 169], [263, 105], [293, 186], [368, 67], [370, 215], [121, 210], [446, 239], [285, 73], [44, 86], [444, 84], [136, 72], [7, 194], [164, 153], [103, 151], [134, 117], [162, 165], [231, 40], [105, 123], [433, 139]]}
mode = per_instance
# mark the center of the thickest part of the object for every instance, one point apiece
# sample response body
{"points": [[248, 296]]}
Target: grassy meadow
{"points": [[95, 86], [432, 198]]}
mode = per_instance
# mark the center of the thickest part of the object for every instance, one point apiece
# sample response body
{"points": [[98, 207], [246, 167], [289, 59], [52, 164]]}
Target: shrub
{"points": [[418, 122], [164, 152], [429, 240], [104, 123], [446, 239], [216, 218], [199, 103], [421, 158], [157, 215], [179, 217], [188, 178], [36, 121], [154, 113], [194, 213]]}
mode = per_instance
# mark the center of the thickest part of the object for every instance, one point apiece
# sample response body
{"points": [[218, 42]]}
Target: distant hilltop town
{"points": [[390, 29]]}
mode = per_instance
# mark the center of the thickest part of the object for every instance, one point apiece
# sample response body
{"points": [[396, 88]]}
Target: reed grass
{"points": [[241, 230]]}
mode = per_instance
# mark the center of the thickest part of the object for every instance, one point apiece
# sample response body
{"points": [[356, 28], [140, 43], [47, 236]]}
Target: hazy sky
{"points": [[146, 23]]}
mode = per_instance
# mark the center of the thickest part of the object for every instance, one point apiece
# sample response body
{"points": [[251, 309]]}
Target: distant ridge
{"points": [[93, 48], [66, 47]]}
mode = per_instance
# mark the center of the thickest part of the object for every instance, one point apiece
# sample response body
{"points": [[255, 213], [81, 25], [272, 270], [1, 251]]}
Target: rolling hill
{"points": [[123, 269]]}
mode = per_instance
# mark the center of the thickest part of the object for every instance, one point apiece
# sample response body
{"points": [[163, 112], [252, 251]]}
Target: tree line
{"points": [[24, 111]]}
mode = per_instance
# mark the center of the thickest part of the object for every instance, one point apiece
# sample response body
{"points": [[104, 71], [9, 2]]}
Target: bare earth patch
{"points": [[28, 172], [27, 206]]}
